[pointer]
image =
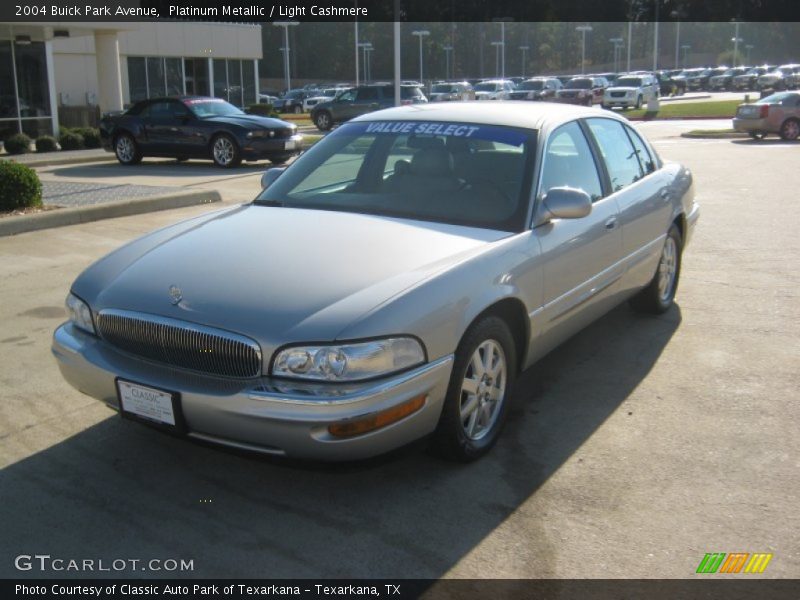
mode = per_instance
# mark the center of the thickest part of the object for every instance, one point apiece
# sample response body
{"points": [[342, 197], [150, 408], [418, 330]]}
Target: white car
{"points": [[631, 91], [323, 96], [494, 89]]}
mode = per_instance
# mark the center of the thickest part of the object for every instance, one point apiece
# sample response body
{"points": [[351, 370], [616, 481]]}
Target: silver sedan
{"points": [[389, 285]]}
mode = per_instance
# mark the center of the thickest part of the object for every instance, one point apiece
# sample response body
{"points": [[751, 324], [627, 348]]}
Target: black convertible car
{"points": [[197, 127]]}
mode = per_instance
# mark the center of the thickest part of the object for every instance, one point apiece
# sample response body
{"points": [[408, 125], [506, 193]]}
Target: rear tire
{"points": [[477, 400], [659, 294], [790, 130], [757, 135]]}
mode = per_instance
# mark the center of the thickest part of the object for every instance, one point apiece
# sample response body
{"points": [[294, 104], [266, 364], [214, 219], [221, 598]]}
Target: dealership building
{"points": [[72, 72]]}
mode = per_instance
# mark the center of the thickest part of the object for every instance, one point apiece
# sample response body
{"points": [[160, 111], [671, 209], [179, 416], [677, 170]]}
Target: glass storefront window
{"points": [[34, 97], [249, 82], [8, 100], [196, 76], [235, 82], [137, 78], [35, 128], [220, 78], [174, 70], [155, 77]]}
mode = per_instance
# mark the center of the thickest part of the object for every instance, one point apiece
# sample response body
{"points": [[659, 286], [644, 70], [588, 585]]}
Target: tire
{"points": [[225, 151], [298, 109], [279, 159], [638, 102], [790, 130], [757, 135], [127, 150], [323, 120], [659, 294], [471, 422]]}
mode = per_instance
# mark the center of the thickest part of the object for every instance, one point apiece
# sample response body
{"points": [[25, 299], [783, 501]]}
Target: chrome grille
{"points": [[180, 343]]}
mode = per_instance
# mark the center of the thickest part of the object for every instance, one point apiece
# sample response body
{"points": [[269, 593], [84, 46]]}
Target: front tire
{"points": [[225, 151], [279, 159], [323, 120], [476, 404], [757, 135], [658, 296], [790, 130], [127, 150], [638, 103]]}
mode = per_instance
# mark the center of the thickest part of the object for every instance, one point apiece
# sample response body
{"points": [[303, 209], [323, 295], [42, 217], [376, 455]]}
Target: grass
{"points": [[309, 139], [683, 110]]}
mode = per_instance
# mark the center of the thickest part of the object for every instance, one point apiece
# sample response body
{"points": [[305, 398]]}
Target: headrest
{"points": [[432, 162]]}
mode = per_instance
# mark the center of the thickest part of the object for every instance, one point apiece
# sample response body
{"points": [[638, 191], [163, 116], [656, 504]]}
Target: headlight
{"points": [[259, 133], [349, 362], [79, 313]]}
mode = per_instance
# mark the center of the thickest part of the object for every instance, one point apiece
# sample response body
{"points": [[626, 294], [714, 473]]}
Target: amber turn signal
{"points": [[377, 420]]}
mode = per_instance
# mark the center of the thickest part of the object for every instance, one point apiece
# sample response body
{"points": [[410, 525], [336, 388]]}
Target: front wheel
{"points": [[659, 294], [279, 159], [225, 151], [639, 102], [476, 404], [323, 121], [757, 135], [790, 129], [127, 150]]}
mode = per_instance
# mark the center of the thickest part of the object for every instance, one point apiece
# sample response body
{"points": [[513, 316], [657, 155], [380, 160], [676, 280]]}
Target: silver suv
{"points": [[631, 91]]}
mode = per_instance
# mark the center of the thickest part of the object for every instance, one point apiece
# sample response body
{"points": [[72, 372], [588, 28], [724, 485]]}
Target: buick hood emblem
{"points": [[175, 294]]}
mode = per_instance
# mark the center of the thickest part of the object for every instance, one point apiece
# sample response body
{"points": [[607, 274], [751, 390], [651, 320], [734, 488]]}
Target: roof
{"points": [[530, 115]]}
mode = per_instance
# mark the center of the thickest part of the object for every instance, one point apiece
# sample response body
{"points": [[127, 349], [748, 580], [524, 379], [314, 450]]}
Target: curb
{"points": [[680, 98], [708, 118], [110, 210], [55, 160], [723, 135]]}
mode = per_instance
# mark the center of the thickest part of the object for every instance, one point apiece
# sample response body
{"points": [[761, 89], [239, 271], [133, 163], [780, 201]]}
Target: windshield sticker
{"points": [[202, 100], [423, 128]]}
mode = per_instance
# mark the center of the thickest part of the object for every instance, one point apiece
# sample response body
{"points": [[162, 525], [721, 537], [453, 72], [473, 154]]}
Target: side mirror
{"points": [[269, 176], [564, 203]]}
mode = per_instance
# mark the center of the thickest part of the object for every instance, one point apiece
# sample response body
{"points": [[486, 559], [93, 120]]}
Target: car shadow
{"points": [[121, 490], [160, 168], [765, 142]]}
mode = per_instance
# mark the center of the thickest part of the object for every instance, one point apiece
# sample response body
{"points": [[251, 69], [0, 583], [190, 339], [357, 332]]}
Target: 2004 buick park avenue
{"points": [[389, 285]]}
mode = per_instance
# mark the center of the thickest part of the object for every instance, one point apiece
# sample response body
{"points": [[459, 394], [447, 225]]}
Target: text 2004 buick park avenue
{"points": [[389, 285]]}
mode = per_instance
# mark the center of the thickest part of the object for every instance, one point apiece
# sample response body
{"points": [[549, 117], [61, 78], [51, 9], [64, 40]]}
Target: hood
{"points": [[622, 89], [250, 121], [279, 275]]}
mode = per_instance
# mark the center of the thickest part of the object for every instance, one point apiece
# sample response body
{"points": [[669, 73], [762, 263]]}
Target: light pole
{"points": [[286, 25], [497, 46], [420, 33], [685, 48], [369, 63], [617, 45], [630, 34], [583, 29], [736, 39], [365, 47], [524, 50], [677, 41], [447, 51]]}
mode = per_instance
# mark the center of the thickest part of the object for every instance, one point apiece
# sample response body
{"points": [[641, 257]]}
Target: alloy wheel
{"points": [[483, 389], [667, 268]]}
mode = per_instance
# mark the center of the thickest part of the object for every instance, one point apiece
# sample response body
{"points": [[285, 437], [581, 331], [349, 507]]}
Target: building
{"points": [[70, 68]]}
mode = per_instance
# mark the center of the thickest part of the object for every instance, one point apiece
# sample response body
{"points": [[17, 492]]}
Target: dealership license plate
{"points": [[142, 402], [290, 145]]}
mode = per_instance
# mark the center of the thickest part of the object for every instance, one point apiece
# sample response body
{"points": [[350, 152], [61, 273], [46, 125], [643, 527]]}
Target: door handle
{"points": [[611, 223], [664, 194]]}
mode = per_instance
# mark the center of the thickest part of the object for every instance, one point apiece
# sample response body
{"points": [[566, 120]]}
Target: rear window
{"points": [[410, 92], [580, 84]]}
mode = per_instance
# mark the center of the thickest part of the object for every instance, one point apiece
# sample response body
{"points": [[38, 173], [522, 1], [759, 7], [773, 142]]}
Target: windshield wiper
{"points": [[268, 203]]}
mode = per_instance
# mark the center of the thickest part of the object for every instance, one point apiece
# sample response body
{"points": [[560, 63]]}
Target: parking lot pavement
{"points": [[633, 450]]}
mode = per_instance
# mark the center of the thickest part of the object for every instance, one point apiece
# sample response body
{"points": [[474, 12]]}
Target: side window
{"points": [[646, 160], [367, 94], [335, 174], [568, 162], [618, 153], [348, 96], [178, 110]]}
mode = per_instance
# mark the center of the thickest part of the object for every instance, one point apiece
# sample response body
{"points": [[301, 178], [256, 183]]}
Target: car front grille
{"points": [[180, 343], [284, 132], [617, 94]]}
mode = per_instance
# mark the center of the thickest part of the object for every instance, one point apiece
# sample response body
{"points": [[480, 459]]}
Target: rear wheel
{"points": [[790, 129], [323, 120], [757, 135], [659, 294], [127, 150], [225, 152], [476, 404]]}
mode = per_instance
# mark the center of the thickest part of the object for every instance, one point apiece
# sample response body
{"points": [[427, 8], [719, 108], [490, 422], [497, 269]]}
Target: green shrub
{"points": [[71, 141], [46, 143], [19, 186], [263, 110], [19, 143], [91, 136]]}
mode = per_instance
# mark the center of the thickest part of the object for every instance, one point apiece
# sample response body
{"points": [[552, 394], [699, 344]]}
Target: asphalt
{"points": [[634, 449]]}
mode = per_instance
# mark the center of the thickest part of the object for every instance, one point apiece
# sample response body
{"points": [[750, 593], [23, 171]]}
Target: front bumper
{"points": [[624, 102], [256, 148], [265, 415]]}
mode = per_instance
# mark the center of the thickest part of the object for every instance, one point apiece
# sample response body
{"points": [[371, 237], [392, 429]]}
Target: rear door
{"points": [[367, 100]]}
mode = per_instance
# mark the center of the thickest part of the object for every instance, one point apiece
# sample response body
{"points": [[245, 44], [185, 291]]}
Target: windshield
{"points": [[579, 84], [212, 107], [628, 82], [458, 173], [293, 94], [487, 87], [443, 88], [531, 85]]}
